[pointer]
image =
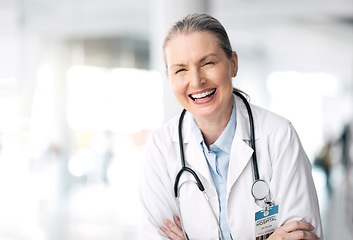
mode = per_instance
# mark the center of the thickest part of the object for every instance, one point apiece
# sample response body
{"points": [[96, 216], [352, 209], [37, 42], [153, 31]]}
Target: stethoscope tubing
{"points": [[182, 155], [183, 169]]}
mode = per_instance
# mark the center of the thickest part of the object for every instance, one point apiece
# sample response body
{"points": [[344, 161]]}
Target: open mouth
{"points": [[204, 95]]}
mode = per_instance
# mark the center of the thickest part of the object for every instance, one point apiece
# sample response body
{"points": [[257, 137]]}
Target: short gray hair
{"points": [[200, 22]]}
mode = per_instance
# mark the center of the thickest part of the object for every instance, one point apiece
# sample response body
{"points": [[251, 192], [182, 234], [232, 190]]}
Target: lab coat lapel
{"points": [[240, 155], [195, 157], [241, 152]]}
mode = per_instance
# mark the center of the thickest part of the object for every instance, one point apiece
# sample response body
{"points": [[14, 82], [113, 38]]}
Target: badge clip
{"points": [[266, 221]]}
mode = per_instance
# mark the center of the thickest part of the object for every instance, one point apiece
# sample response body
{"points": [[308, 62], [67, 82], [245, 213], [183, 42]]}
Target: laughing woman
{"points": [[219, 155]]}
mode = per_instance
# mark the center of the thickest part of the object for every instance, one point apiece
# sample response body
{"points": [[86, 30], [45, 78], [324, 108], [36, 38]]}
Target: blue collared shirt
{"points": [[218, 157]]}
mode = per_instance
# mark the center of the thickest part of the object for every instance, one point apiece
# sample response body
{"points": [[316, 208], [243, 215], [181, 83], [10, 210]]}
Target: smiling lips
{"points": [[203, 97]]}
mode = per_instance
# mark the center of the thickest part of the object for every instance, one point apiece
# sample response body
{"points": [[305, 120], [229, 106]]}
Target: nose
{"points": [[197, 79]]}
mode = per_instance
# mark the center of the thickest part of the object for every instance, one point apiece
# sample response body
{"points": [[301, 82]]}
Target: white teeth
{"points": [[201, 95]]}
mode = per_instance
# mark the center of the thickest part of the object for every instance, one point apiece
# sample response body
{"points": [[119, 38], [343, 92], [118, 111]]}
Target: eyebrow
{"points": [[207, 56], [201, 60], [177, 65]]}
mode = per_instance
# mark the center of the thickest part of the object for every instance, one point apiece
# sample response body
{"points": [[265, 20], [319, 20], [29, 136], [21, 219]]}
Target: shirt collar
{"points": [[224, 142]]}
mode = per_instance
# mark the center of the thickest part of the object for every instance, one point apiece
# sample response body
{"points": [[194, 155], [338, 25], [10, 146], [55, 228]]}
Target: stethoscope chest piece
{"points": [[259, 189]]}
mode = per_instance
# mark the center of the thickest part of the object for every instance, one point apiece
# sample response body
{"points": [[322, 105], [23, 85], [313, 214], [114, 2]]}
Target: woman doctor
{"points": [[200, 65]]}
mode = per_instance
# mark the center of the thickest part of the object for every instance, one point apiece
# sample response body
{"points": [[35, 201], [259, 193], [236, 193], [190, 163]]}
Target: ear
{"points": [[234, 61]]}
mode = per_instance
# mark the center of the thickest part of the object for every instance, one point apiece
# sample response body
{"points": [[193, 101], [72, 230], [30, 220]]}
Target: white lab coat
{"points": [[282, 163]]}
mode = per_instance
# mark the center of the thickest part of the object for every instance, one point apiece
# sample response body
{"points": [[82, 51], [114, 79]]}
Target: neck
{"points": [[212, 129]]}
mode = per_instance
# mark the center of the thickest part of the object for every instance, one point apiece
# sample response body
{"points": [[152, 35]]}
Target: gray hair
{"points": [[200, 22]]}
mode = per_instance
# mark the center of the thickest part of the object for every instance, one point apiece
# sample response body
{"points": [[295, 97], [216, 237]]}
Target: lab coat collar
{"points": [[243, 129], [186, 129], [194, 156]]}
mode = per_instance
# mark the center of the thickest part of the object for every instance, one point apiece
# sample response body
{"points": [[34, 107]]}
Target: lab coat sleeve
{"points": [[156, 191], [292, 181]]}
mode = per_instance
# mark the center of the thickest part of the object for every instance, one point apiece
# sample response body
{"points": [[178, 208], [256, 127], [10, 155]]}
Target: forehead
{"points": [[187, 46]]}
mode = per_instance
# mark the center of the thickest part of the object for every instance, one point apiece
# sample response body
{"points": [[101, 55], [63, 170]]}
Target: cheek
{"points": [[221, 77], [178, 85]]}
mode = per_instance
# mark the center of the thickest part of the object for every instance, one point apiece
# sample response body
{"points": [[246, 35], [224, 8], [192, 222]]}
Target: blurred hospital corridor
{"points": [[83, 85]]}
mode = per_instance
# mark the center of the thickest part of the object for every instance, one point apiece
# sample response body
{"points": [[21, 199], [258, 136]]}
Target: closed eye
{"points": [[208, 63], [180, 70]]}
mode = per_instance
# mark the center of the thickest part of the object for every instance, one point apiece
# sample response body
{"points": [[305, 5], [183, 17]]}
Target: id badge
{"points": [[266, 222]]}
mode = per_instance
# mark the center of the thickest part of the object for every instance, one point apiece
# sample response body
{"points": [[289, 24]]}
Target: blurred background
{"points": [[82, 86]]}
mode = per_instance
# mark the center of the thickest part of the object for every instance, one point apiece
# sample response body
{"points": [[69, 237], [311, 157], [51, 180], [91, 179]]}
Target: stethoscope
{"points": [[259, 188]]}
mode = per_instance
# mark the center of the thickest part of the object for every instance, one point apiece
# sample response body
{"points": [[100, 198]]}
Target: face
{"points": [[201, 74]]}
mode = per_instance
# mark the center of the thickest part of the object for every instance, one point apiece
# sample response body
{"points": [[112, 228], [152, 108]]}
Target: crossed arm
{"points": [[295, 230]]}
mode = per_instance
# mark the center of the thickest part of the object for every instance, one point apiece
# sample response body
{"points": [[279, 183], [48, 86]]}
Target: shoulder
{"points": [[162, 139], [268, 120], [277, 134], [267, 115], [166, 131], [265, 121]]}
